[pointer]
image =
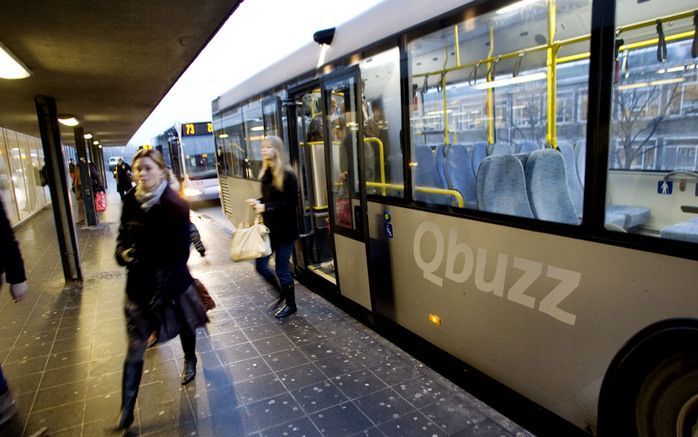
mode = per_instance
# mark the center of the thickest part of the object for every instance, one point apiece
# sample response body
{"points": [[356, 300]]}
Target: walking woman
{"points": [[153, 244], [278, 206]]}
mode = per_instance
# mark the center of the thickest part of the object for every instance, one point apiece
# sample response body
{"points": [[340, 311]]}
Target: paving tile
{"points": [[259, 388], [272, 344], [297, 428], [285, 359], [247, 369], [275, 411], [300, 376], [414, 424], [359, 383], [341, 420], [383, 406], [319, 396]]}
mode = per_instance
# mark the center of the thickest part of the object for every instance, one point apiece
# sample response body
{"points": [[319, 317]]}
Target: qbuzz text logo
{"points": [[462, 261]]}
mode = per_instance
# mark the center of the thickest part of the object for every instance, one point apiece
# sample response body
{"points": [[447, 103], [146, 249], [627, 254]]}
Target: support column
{"points": [[58, 186], [88, 199]]}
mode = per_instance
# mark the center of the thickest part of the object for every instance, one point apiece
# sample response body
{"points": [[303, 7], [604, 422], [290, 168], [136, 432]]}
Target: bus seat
{"points": [[580, 152], [523, 157], [459, 174], [501, 186], [425, 175], [684, 231], [615, 221], [634, 215], [478, 152], [548, 194], [528, 147], [501, 149], [439, 162], [573, 185]]}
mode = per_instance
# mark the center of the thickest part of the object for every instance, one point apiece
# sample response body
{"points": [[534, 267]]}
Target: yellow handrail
{"points": [[551, 63], [570, 41], [381, 158], [431, 190]]}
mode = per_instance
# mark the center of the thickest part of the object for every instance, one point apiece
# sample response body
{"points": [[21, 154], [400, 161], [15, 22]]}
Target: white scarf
{"points": [[148, 199]]}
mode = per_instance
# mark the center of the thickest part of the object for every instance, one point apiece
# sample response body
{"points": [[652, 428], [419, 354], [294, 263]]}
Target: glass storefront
{"points": [[21, 160]]}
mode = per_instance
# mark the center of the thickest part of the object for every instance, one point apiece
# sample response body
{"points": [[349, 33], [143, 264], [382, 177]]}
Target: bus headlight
{"points": [[192, 192]]}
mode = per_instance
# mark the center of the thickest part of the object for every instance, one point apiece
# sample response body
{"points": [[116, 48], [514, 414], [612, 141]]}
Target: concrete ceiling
{"points": [[108, 62]]}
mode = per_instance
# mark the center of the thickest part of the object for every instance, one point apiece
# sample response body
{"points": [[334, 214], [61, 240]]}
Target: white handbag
{"points": [[250, 242]]}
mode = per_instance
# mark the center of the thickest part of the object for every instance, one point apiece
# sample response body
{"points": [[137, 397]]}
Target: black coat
{"points": [[161, 241], [10, 258], [280, 208]]}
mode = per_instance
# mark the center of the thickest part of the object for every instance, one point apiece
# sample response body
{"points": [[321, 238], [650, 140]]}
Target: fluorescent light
{"points": [[68, 120], [95, 142], [511, 81], [439, 112], [515, 6], [257, 128], [631, 86], [223, 136], [667, 81], [87, 136], [675, 69], [10, 66]]}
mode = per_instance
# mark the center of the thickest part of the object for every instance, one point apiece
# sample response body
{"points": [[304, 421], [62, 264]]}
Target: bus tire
{"points": [[667, 400]]}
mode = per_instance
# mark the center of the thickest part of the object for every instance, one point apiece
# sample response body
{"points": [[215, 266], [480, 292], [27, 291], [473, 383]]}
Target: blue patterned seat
{"points": [[547, 192], [501, 186]]}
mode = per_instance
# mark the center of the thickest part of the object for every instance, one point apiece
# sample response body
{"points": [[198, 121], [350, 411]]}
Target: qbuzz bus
{"points": [[511, 183], [189, 151]]}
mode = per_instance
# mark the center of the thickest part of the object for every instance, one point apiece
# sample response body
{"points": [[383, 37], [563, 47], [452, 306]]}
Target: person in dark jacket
{"points": [[278, 206], [122, 174], [153, 244], [12, 266]]}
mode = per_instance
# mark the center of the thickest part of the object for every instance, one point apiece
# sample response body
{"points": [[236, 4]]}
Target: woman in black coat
{"points": [[278, 206], [153, 244]]}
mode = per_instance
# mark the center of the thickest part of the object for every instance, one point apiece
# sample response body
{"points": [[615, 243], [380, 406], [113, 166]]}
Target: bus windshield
{"points": [[199, 157]]}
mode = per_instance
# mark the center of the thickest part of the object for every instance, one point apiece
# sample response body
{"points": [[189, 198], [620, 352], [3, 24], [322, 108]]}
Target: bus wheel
{"points": [[667, 403]]}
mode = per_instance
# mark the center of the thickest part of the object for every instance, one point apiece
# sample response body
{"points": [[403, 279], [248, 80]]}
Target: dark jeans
{"points": [[282, 259], [3, 383]]}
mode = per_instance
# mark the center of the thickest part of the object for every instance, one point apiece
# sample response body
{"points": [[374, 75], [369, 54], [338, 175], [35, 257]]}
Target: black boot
{"points": [[289, 294], [189, 371], [129, 391]]}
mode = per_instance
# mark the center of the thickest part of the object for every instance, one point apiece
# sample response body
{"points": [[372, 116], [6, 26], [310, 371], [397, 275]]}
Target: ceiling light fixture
{"points": [[68, 120], [10, 66], [511, 81], [88, 136], [516, 6]]}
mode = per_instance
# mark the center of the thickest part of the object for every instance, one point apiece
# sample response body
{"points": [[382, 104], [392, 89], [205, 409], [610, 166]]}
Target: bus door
{"points": [[346, 191], [307, 133]]}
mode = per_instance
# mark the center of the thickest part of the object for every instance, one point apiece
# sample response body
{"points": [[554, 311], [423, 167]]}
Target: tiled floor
{"points": [[318, 373]]}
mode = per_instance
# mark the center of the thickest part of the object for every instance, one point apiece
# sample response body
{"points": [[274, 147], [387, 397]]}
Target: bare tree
{"points": [[533, 123], [633, 128]]}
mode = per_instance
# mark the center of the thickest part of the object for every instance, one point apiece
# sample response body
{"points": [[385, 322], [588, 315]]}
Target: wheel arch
{"points": [[632, 363]]}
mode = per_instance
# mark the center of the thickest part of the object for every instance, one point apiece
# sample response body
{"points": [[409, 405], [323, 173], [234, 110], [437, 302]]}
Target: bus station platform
{"points": [[317, 373]]}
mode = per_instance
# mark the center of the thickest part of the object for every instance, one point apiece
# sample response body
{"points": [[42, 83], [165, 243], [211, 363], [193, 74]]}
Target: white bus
{"points": [[189, 150], [512, 183]]}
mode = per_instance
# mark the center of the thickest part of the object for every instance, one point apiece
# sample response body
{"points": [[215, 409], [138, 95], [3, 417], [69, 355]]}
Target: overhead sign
{"points": [[193, 129]]}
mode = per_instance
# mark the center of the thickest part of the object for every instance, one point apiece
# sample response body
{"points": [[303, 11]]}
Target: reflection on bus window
{"points": [[496, 121], [254, 134], [381, 111], [652, 161]]}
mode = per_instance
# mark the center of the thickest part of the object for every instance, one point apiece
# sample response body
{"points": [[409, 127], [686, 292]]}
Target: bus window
{"points": [[198, 154], [652, 164], [382, 114], [491, 90], [254, 134], [230, 145]]}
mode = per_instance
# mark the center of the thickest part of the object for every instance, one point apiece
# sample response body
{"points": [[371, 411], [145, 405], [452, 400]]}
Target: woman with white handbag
{"points": [[278, 206]]}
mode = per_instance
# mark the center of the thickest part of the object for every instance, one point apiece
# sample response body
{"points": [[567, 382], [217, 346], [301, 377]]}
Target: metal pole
{"points": [[58, 186], [87, 195]]}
